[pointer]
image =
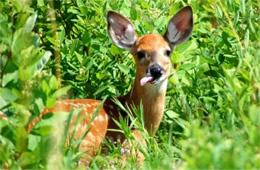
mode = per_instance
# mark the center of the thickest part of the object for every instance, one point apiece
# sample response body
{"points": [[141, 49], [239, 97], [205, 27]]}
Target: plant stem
{"points": [[57, 44]]}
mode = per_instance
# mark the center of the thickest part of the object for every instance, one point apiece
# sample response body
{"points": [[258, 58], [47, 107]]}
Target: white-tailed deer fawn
{"points": [[153, 65]]}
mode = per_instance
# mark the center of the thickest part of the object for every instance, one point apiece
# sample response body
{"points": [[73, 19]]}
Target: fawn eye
{"points": [[140, 55], [167, 53]]}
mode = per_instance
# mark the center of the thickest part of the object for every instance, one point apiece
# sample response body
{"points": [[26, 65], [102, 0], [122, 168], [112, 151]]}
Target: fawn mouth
{"points": [[147, 79], [151, 80], [154, 75]]}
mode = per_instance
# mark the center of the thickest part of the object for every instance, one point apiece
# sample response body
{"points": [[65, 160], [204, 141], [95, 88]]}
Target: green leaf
{"points": [[125, 69], [80, 3], [219, 11], [133, 13], [50, 102], [45, 87], [40, 3], [62, 91], [247, 38], [101, 88], [79, 57], [21, 139], [52, 40], [42, 130], [28, 27], [61, 36], [254, 114], [114, 50], [6, 97], [243, 7], [8, 77], [21, 41], [44, 59], [38, 106], [25, 73], [53, 83], [26, 159], [187, 67], [229, 32]]}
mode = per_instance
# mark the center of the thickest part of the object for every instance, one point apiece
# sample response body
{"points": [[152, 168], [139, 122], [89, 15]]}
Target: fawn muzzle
{"points": [[153, 74]]}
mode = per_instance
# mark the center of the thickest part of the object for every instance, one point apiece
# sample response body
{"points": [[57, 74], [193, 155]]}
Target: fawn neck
{"points": [[152, 97]]}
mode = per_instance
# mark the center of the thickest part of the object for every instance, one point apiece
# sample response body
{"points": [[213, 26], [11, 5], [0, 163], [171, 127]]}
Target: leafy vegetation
{"points": [[51, 49]]}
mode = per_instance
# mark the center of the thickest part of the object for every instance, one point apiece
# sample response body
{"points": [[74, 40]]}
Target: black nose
{"points": [[156, 71]]}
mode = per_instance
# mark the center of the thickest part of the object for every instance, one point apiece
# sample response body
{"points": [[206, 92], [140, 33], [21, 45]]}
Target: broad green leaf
{"points": [[52, 40], [243, 7], [254, 114], [25, 73], [79, 57], [28, 27], [6, 97], [125, 69], [45, 87], [8, 77], [229, 31], [62, 91], [40, 3], [43, 130], [53, 83], [50, 102], [21, 139], [101, 88], [26, 159], [42, 62], [187, 67], [80, 3], [38, 106]]}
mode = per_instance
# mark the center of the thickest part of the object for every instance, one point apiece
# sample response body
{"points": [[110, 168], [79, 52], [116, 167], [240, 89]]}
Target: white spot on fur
{"points": [[90, 135], [78, 128], [85, 142], [84, 127], [107, 117], [74, 105], [100, 118]]}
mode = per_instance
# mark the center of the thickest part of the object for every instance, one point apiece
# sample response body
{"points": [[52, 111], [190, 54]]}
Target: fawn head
{"points": [[151, 52]]}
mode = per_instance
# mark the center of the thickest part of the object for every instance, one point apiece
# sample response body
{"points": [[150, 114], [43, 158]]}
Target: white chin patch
{"points": [[160, 80], [157, 86]]}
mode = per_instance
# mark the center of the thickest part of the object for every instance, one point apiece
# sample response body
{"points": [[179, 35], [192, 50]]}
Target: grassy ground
{"points": [[212, 116]]}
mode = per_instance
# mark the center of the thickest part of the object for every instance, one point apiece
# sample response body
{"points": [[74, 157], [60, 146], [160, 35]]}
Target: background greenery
{"points": [[50, 49]]}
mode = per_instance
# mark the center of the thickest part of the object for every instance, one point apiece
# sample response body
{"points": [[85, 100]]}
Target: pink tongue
{"points": [[145, 80]]}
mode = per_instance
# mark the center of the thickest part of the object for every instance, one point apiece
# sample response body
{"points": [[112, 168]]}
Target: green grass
{"points": [[212, 115]]}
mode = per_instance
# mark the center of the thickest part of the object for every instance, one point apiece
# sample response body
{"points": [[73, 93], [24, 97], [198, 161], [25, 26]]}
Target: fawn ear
{"points": [[121, 30], [180, 26]]}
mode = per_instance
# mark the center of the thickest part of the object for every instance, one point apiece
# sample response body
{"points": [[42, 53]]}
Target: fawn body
{"points": [[152, 57]]}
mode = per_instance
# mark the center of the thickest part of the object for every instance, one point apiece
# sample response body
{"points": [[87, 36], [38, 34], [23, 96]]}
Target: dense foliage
{"points": [[50, 49]]}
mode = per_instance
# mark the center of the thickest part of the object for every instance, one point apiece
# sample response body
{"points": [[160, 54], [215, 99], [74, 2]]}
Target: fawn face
{"points": [[152, 57], [151, 52]]}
